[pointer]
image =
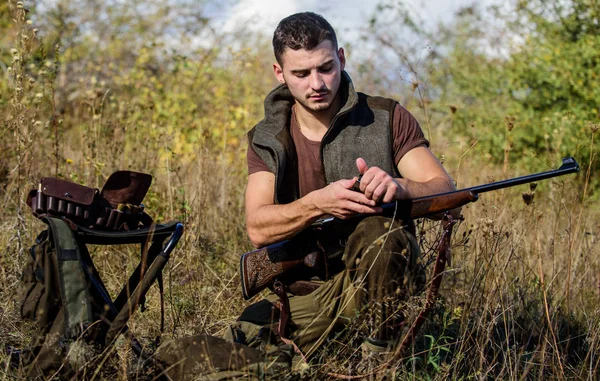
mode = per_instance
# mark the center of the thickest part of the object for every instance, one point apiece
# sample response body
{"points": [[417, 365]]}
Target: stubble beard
{"points": [[318, 106], [321, 107]]}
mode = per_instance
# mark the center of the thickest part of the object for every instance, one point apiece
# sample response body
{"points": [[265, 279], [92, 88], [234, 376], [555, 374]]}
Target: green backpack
{"points": [[56, 294], [62, 292], [76, 321]]}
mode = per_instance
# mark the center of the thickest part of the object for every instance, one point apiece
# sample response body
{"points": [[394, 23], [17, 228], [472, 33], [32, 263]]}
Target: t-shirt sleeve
{"points": [[407, 133], [255, 163]]}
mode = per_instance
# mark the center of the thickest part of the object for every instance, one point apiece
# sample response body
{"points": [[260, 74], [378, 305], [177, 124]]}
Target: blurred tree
{"points": [[5, 25], [8, 30], [518, 83], [554, 76], [150, 85]]}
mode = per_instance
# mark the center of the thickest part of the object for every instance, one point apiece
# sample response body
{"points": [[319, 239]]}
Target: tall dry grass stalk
{"points": [[519, 302]]}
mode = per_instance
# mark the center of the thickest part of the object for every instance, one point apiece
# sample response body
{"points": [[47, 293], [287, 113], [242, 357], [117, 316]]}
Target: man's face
{"points": [[313, 76]]}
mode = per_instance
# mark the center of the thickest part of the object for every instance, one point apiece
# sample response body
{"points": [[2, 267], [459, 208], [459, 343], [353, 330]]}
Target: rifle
{"points": [[262, 267]]}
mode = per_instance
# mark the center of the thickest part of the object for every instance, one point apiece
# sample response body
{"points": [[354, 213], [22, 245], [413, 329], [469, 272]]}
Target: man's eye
{"points": [[326, 69], [301, 75]]}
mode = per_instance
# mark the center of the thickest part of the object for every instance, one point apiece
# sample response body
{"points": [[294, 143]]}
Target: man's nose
{"points": [[316, 81]]}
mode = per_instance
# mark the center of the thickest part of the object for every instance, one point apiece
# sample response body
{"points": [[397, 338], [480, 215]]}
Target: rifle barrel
{"points": [[569, 165]]}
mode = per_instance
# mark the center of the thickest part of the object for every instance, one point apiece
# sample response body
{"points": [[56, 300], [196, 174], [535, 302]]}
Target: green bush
{"points": [[515, 85]]}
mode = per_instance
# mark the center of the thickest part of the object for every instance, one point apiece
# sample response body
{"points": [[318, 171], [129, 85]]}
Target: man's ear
{"points": [[342, 58], [278, 70]]}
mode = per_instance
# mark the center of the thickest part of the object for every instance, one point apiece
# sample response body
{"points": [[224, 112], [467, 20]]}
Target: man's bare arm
{"points": [[423, 175], [268, 223]]}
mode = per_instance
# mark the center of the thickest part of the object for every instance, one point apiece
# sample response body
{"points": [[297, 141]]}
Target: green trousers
{"points": [[382, 268]]}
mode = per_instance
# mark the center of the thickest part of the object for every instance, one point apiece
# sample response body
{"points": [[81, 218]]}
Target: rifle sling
{"points": [[283, 305], [443, 256]]}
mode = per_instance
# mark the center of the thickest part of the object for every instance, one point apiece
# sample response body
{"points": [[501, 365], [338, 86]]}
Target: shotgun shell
{"points": [[62, 206], [70, 209], [39, 200], [111, 218], [52, 204]]}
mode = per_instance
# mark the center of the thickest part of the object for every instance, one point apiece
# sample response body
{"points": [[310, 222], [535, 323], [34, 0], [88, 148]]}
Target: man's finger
{"points": [[389, 196], [370, 190], [385, 191], [361, 165], [347, 183], [364, 209], [359, 198]]}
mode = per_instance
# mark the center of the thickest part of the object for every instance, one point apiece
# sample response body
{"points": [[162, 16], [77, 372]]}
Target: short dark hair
{"points": [[303, 30]]}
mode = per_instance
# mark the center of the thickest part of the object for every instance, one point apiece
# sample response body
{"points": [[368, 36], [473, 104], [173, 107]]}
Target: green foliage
{"points": [[515, 85], [87, 93], [536, 99], [107, 87]]}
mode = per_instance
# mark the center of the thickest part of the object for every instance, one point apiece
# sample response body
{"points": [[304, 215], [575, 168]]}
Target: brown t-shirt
{"points": [[407, 135]]}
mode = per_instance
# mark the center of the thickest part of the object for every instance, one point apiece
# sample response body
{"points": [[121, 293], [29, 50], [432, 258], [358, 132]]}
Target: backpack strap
{"points": [[75, 295]]}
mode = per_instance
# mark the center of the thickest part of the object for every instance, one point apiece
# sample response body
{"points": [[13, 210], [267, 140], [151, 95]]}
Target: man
{"points": [[304, 159]]}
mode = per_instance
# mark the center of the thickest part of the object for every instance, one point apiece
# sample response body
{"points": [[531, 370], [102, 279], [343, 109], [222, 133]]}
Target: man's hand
{"points": [[339, 200], [422, 175], [377, 185], [268, 222]]}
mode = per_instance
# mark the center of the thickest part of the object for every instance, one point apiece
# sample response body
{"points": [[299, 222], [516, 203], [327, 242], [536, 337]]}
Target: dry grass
{"points": [[520, 300]]}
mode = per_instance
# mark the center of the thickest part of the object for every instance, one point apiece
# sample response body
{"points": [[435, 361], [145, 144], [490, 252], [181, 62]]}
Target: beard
{"points": [[319, 107]]}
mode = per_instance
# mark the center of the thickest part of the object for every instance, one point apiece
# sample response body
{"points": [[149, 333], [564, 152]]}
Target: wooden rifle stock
{"points": [[432, 205], [261, 267]]}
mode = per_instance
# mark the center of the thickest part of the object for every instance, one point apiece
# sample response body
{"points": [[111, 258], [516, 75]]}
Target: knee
{"points": [[381, 243], [376, 225]]}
